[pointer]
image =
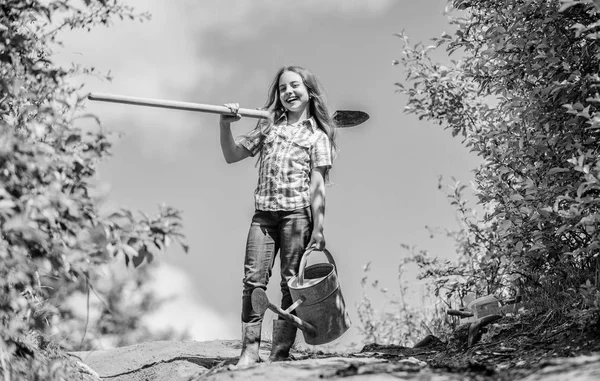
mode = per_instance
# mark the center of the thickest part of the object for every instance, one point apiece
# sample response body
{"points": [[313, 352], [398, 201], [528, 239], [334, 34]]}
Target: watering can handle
{"points": [[305, 259]]}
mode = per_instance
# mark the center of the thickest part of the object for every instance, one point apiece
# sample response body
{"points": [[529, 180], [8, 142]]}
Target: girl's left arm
{"points": [[317, 204]]}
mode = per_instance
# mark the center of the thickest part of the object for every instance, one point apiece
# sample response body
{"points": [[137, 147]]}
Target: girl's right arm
{"points": [[231, 151]]}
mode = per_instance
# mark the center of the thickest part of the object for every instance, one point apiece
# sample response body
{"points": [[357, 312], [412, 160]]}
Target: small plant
{"points": [[590, 295], [399, 322]]}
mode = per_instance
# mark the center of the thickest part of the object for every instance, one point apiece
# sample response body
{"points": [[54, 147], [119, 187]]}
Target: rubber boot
{"points": [[284, 335], [250, 344]]}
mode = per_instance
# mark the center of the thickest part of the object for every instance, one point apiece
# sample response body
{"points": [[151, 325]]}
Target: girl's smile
{"points": [[293, 94]]}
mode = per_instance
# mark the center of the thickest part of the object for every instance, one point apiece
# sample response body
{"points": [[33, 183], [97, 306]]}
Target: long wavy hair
{"points": [[317, 105]]}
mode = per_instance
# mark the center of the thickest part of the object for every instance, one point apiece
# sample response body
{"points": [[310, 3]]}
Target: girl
{"points": [[296, 147]]}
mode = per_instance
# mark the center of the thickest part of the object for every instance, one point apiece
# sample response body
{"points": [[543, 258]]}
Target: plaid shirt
{"points": [[288, 155]]}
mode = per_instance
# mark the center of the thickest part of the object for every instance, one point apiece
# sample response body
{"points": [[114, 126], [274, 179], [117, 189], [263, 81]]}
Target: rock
{"points": [[209, 361], [171, 360], [161, 360], [335, 368], [581, 368]]}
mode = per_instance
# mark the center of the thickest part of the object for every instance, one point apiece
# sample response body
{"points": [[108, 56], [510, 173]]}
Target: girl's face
{"points": [[293, 94]]}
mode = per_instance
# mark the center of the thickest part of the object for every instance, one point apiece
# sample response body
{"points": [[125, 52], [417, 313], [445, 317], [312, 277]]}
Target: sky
{"points": [[385, 178]]}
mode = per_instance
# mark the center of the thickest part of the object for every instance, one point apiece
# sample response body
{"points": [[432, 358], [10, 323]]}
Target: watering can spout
{"points": [[260, 303]]}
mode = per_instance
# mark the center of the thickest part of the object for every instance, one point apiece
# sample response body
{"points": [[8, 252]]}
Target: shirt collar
{"points": [[310, 122]]}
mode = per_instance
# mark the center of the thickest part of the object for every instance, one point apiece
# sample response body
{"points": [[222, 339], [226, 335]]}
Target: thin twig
{"points": [[91, 287], [87, 314]]}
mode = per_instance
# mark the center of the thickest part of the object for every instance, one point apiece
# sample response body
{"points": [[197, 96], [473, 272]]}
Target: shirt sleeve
{"points": [[252, 141], [321, 153]]}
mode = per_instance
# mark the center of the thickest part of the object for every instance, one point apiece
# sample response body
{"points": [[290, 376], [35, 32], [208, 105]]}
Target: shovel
{"points": [[343, 118]]}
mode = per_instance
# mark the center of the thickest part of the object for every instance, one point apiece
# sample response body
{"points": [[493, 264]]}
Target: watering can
{"points": [[317, 300]]}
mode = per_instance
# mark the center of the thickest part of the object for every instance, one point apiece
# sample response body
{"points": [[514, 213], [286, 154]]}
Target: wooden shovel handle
{"points": [[176, 105]]}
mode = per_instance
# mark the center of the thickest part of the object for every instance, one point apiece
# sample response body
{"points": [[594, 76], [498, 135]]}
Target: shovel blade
{"points": [[349, 118]]}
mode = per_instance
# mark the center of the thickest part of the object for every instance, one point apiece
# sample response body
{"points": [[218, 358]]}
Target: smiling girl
{"points": [[296, 147]]}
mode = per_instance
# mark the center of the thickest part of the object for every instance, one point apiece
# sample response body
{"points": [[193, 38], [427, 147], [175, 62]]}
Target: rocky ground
{"points": [[539, 348]]}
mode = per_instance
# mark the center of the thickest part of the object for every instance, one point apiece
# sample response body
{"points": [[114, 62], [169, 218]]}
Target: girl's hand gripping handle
{"points": [[317, 240], [228, 119]]}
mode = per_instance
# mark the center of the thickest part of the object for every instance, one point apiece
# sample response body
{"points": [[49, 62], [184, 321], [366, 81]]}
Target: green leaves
{"points": [[134, 238], [50, 222], [524, 97]]}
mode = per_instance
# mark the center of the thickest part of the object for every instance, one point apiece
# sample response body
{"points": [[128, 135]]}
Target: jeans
{"points": [[286, 232]]}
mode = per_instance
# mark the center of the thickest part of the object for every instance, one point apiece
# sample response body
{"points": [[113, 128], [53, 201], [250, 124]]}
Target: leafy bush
{"points": [[523, 94], [51, 229]]}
